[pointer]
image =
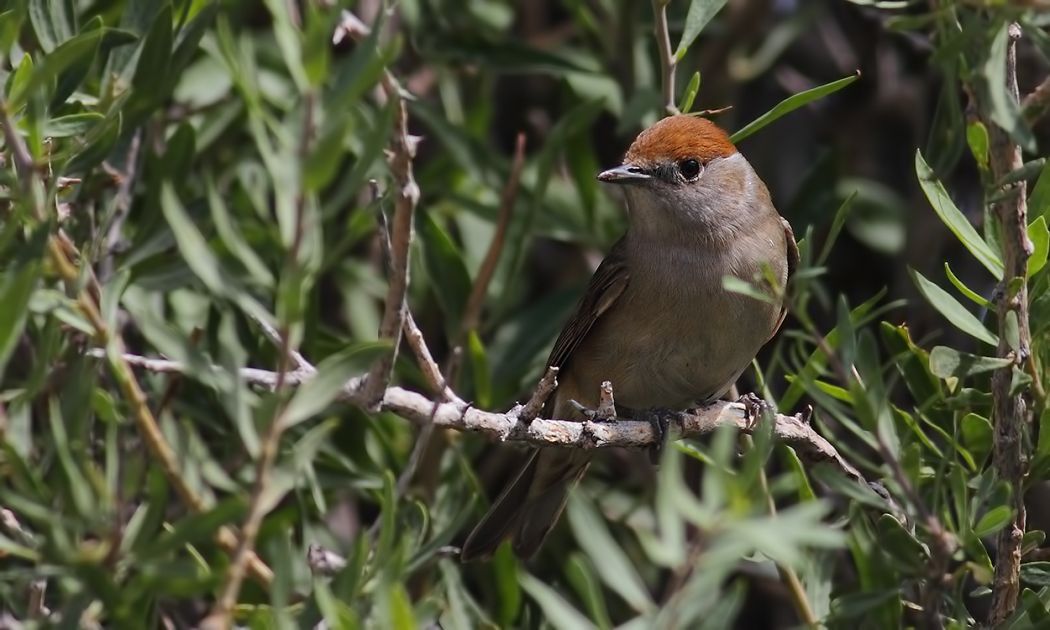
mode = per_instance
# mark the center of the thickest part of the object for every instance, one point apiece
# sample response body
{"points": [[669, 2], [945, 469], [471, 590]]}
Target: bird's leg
{"points": [[660, 422], [754, 409]]}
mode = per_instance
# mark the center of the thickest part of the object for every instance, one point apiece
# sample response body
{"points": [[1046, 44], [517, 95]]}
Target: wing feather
{"points": [[606, 285]]}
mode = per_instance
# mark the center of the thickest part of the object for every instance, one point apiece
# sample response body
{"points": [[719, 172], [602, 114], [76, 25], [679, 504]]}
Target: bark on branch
{"points": [[1010, 409], [511, 426]]}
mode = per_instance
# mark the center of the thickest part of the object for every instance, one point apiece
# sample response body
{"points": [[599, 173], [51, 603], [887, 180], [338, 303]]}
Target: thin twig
{"points": [[666, 54], [427, 364], [472, 311], [543, 391], [121, 206], [403, 150]]}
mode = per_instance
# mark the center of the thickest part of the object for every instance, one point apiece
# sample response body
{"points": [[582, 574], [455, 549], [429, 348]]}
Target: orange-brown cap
{"points": [[678, 138]]}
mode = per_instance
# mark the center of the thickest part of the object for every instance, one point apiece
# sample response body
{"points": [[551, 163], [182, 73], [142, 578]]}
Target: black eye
{"points": [[690, 169]]}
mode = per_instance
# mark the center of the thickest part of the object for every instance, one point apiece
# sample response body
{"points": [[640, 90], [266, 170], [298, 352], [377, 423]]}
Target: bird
{"points": [[656, 320]]}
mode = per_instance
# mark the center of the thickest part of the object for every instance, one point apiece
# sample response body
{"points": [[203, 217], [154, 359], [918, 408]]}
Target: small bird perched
{"points": [[655, 319]]}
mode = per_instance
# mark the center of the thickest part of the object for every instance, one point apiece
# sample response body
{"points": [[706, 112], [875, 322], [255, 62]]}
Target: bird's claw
{"points": [[660, 422], [754, 409]]}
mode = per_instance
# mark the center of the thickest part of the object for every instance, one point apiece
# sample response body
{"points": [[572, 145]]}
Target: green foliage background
{"points": [[209, 164]]}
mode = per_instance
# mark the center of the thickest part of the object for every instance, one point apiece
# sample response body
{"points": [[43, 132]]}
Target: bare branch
{"points": [[403, 150], [544, 389], [429, 367], [511, 427], [1011, 413]]}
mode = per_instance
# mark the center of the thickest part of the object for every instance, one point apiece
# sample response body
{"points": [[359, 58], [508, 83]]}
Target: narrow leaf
{"points": [[952, 310]]}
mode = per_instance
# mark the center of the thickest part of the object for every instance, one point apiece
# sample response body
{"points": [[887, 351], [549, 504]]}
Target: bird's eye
{"points": [[690, 169]]}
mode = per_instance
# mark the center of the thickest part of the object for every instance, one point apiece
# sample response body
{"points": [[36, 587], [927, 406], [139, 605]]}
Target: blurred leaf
{"points": [[479, 367], [789, 105], [950, 308], [1036, 573], [580, 574], [72, 51], [947, 362], [910, 554], [557, 612], [72, 124], [331, 378], [691, 90], [17, 282], [194, 528], [955, 220], [614, 568], [1040, 236], [700, 13], [54, 22], [977, 138], [1006, 112], [151, 78], [1039, 199], [446, 268], [992, 521]]}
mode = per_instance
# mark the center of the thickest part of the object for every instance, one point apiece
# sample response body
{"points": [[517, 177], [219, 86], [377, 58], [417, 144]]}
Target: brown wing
{"points": [[792, 264], [607, 284]]}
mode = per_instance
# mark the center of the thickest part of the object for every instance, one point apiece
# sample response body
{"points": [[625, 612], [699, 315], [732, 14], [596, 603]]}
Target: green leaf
{"points": [[790, 104], [556, 611], [948, 362], [1039, 199], [690, 93], [1036, 573], [195, 528], [71, 125], [1040, 236], [580, 573], [906, 550], [614, 568], [17, 283], [54, 22], [332, 376], [993, 520], [446, 268], [969, 293], [479, 367], [955, 220], [950, 308], [1005, 110], [151, 78], [70, 53], [700, 13], [977, 138]]}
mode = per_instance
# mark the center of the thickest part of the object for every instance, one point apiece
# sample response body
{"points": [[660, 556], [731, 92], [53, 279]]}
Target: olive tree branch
{"points": [[1011, 413], [510, 426]]}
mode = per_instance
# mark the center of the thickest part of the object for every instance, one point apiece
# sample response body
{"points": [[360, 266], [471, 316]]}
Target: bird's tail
{"points": [[529, 506]]}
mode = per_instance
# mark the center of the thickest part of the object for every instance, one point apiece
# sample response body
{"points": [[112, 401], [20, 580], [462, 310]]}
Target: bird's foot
{"points": [[660, 422], [754, 409]]}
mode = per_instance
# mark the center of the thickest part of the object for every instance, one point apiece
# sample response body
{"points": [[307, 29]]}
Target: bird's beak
{"points": [[625, 174]]}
